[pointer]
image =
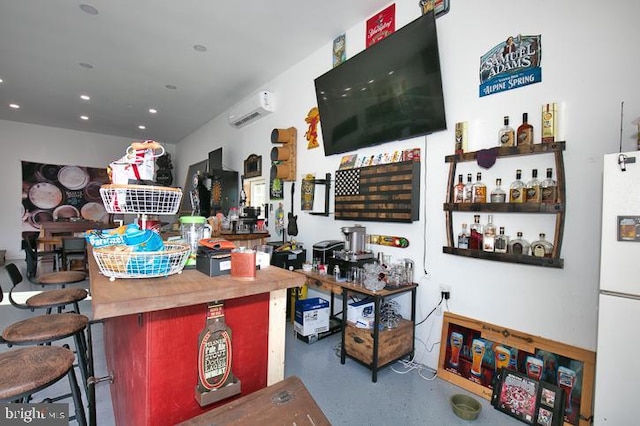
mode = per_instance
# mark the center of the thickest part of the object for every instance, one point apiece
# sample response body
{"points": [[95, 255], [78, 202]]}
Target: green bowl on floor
{"points": [[465, 407]]}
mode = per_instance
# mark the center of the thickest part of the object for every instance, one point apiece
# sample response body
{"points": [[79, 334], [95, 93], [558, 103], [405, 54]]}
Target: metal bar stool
{"points": [[45, 329], [51, 299], [61, 279], [26, 371]]}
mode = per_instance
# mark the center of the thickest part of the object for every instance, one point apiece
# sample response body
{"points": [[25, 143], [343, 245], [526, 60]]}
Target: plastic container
{"points": [[465, 407], [192, 231]]}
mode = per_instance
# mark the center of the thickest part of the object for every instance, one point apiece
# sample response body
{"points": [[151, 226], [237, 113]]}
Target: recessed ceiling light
{"points": [[200, 48], [86, 66], [153, 111], [84, 117], [14, 106], [85, 97], [0, 80], [89, 9], [142, 127], [170, 87]]}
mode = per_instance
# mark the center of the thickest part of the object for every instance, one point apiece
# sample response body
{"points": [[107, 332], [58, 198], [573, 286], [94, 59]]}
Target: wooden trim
{"points": [[277, 311]]}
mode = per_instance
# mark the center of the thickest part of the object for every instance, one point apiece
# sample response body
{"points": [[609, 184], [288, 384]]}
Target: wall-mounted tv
{"points": [[390, 91]]}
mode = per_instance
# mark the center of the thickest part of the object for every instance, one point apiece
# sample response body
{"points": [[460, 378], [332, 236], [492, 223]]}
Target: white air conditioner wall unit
{"points": [[255, 107]]}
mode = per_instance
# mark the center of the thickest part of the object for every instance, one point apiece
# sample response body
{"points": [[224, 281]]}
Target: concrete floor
{"points": [[345, 393]]}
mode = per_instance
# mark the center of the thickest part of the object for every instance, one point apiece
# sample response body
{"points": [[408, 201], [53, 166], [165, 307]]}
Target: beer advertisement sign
{"points": [[511, 64]]}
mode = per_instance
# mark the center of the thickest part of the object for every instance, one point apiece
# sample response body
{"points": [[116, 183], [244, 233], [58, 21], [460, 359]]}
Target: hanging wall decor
{"points": [[52, 192], [511, 64]]}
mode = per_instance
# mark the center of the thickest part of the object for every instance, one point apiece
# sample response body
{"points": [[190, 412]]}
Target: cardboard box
{"points": [[312, 316], [363, 309], [214, 264]]}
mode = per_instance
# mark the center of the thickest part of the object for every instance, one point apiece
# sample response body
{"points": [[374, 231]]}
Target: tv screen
{"points": [[390, 91]]}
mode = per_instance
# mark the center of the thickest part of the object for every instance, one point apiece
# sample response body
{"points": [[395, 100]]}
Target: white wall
{"points": [[589, 66], [26, 142]]}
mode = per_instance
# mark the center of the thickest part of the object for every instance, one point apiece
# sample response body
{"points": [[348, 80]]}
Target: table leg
{"points": [[376, 335], [343, 350]]}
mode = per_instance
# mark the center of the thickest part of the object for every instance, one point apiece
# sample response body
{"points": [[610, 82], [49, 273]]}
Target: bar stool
{"points": [[48, 300], [26, 371], [61, 278], [44, 329]]}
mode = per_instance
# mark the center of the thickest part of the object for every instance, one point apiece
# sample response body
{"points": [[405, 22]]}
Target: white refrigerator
{"points": [[617, 385]]}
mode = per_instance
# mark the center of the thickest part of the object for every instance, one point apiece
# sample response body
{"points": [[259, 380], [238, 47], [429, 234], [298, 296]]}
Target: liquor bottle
{"points": [[479, 190], [525, 131], [506, 135], [533, 188], [214, 352], [463, 238], [519, 245], [517, 189], [502, 242], [468, 190], [489, 235], [548, 188], [498, 195], [475, 241], [458, 191], [541, 247]]}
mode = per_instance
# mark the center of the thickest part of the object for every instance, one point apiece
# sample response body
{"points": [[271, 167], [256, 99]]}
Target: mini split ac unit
{"points": [[255, 107]]}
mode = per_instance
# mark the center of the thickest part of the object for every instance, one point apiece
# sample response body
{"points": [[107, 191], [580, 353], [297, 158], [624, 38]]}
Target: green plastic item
{"points": [[465, 407]]}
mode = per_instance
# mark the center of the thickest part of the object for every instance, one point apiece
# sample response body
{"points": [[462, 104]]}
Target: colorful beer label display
{"points": [[511, 64], [381, 25], [214, 351]]}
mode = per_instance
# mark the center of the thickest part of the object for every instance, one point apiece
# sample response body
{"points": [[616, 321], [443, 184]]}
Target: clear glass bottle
{"points": [[463, 237], [458, 191], [489, 235], [502, 242], [506, 135], [479, 190], [498, 195], [541, 247], [548, 188], [533, 188], [475, 240], [468, 190], [517, 189], [519, 245], [525, 131]]}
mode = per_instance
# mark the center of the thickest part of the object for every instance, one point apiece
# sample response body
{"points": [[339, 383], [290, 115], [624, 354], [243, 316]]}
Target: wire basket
{"points": [[140, 199], [120, 262]]}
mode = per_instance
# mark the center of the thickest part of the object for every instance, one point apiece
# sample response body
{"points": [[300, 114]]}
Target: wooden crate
{"points": [[393, 343]]}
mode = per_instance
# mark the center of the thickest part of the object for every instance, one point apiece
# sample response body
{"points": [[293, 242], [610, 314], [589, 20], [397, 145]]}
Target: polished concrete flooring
{"points": [[346, 393]]}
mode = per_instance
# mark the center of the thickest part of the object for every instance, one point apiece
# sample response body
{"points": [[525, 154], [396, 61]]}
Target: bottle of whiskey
{"points": [[548, 188], [533, 188], [525, 131], [517, 189], [498, 195], [489, 235], [506, 135], [475, 240], [541, 247], [458, 191], [502, 242], [519, 245], [468, 190], [463, 238], [479, 190]]}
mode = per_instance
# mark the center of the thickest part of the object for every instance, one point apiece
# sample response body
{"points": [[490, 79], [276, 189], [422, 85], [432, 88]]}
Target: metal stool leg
{"points": [[77, 398]]}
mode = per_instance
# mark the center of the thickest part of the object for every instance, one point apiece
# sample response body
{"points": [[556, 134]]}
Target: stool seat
{"points": [[62, 278], [27, 370], [58, 297], [44, 328]]}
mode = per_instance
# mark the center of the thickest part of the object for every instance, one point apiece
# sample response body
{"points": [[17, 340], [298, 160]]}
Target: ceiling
{"points": [[189, 59]]}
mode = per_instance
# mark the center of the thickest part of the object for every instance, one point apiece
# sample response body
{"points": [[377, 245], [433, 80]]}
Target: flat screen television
{"points": [[390, 91]]}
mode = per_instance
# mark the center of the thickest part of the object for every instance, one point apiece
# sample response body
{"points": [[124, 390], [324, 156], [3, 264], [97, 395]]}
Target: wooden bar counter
{"points": [[151, 329]]}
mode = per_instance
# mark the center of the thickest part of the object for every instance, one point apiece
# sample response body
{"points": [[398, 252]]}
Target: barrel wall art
{"points": [[52, 192]]}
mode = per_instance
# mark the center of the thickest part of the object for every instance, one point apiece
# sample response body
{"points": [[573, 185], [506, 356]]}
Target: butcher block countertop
{"points": [[191, 287]]}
